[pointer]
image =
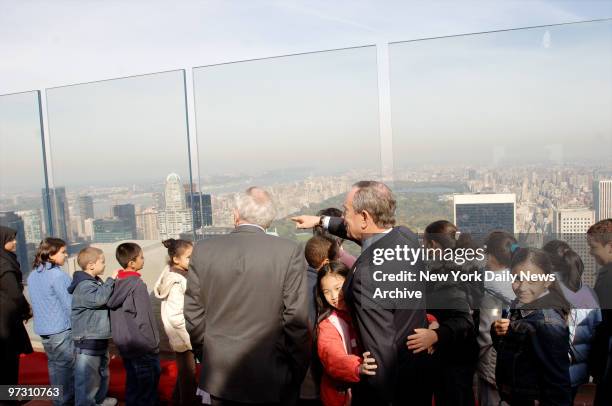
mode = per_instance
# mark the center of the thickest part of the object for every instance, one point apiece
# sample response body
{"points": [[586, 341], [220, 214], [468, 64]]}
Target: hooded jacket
{"points": [[133, 325], [14, 307], [170, 288], [90, 316]]}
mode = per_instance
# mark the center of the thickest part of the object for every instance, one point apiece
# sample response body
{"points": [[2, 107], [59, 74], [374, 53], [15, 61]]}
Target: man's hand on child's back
{"points": [[114, 274], [368, 366]]}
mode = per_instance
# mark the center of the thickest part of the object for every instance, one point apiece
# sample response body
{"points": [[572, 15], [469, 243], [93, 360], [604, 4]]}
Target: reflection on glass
{"points": [[121, 165], [305, 127], [521, 116], [22, 172]]}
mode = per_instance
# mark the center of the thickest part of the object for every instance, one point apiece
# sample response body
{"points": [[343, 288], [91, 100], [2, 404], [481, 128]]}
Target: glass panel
{"points": [[22, 178], [305, 127], [121, 165], [518, 123]]}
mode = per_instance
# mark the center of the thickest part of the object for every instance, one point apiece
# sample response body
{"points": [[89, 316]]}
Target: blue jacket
{"points": [[532, 358], [90, 315], [51, 303], [582, 324], [134, 326]]}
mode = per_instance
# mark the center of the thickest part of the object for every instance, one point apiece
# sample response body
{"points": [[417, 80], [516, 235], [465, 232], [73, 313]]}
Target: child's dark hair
{"points": [[126, 252], [176, 248], [601, 232], [320, 248], [47, 248], [320, 231], [566, 263], [445, 233], [542, 260], [324, 309], [499, 245]]}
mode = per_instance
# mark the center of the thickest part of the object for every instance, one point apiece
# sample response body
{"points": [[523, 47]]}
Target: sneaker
{"points": [[108, 402]]}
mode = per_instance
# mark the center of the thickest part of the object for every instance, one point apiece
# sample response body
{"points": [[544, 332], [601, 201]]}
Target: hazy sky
{"points": [[261, 113]]}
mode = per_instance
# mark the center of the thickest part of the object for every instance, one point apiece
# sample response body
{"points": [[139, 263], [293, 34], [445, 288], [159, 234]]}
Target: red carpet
{"points": [[33, 371]]}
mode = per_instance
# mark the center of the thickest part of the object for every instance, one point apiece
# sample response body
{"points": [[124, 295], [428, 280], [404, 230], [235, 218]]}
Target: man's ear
{"points": [[236, 215], [365, 218]]}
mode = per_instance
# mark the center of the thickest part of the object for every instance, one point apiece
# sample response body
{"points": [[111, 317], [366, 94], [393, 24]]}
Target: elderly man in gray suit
{"points": [[246, 309]]}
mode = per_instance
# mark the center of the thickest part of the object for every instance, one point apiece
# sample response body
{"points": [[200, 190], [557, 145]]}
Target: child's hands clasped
{"points": [[368, 366], [423, 339]]}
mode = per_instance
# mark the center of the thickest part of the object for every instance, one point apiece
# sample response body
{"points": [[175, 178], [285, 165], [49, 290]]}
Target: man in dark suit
{"points": [[246, 309], [402, 376]]}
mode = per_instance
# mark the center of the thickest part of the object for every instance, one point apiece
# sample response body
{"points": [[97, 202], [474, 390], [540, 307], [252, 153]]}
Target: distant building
{"points": [[86, 207], [127, 213], [201, 209], [88, 228], [602, 199], [479, 214], [111, 230], [570, 225], [573, 221], [32, 224], [146, 225], [60, 214], [176, 218]]}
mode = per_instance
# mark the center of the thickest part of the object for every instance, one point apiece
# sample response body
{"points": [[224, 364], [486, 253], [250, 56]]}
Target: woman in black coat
{"points": [[14, 310]]}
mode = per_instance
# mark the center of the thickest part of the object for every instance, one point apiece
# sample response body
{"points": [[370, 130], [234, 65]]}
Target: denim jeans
{"points": [[60, 355], [142, 380], [91, 377]]}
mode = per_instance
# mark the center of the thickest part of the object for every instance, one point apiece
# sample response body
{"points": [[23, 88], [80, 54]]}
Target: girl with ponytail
{"points": [[170, 288], [584, 315]]}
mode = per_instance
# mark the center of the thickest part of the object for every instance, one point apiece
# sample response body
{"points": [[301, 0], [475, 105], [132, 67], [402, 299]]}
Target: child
{"points": [[170, 288], [599, 238], [452, 345], [497, 296], [532, 346], [91, 328], [318, 250], [134, 329], [51, 305], [336, 341]]}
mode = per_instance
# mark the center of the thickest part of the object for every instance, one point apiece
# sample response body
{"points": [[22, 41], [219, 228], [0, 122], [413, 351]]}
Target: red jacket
{"points": [[339, 367]]}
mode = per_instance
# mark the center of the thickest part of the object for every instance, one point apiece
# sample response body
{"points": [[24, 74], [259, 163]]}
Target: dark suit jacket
{"points": [[383, 330], [246, 307]]}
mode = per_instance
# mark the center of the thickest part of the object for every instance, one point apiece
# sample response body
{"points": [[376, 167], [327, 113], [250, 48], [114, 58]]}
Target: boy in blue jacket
{"points": [[134, 328], [91, 328]]}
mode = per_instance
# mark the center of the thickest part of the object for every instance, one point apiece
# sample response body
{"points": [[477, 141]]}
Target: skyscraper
{"points": [[602, 199], [571, 225], [479, 214], [146, 225], [86, 207], [60, 215], [12, 220], [32, 224], [176, 218], [201, 209], [127, 213]]}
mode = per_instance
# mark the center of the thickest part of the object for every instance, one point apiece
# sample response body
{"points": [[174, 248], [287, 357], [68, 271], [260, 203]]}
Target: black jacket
{"points": [[600, 357], [246, 307], [532, 358], [450, 303], [14, 308], [384, 326], [133, 324]]}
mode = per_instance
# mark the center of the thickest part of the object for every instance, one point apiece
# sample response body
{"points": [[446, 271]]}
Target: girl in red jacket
{"points": [[336, 340]]}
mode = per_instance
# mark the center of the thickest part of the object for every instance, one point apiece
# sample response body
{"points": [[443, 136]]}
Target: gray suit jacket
{"points": [[246, 307]]}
